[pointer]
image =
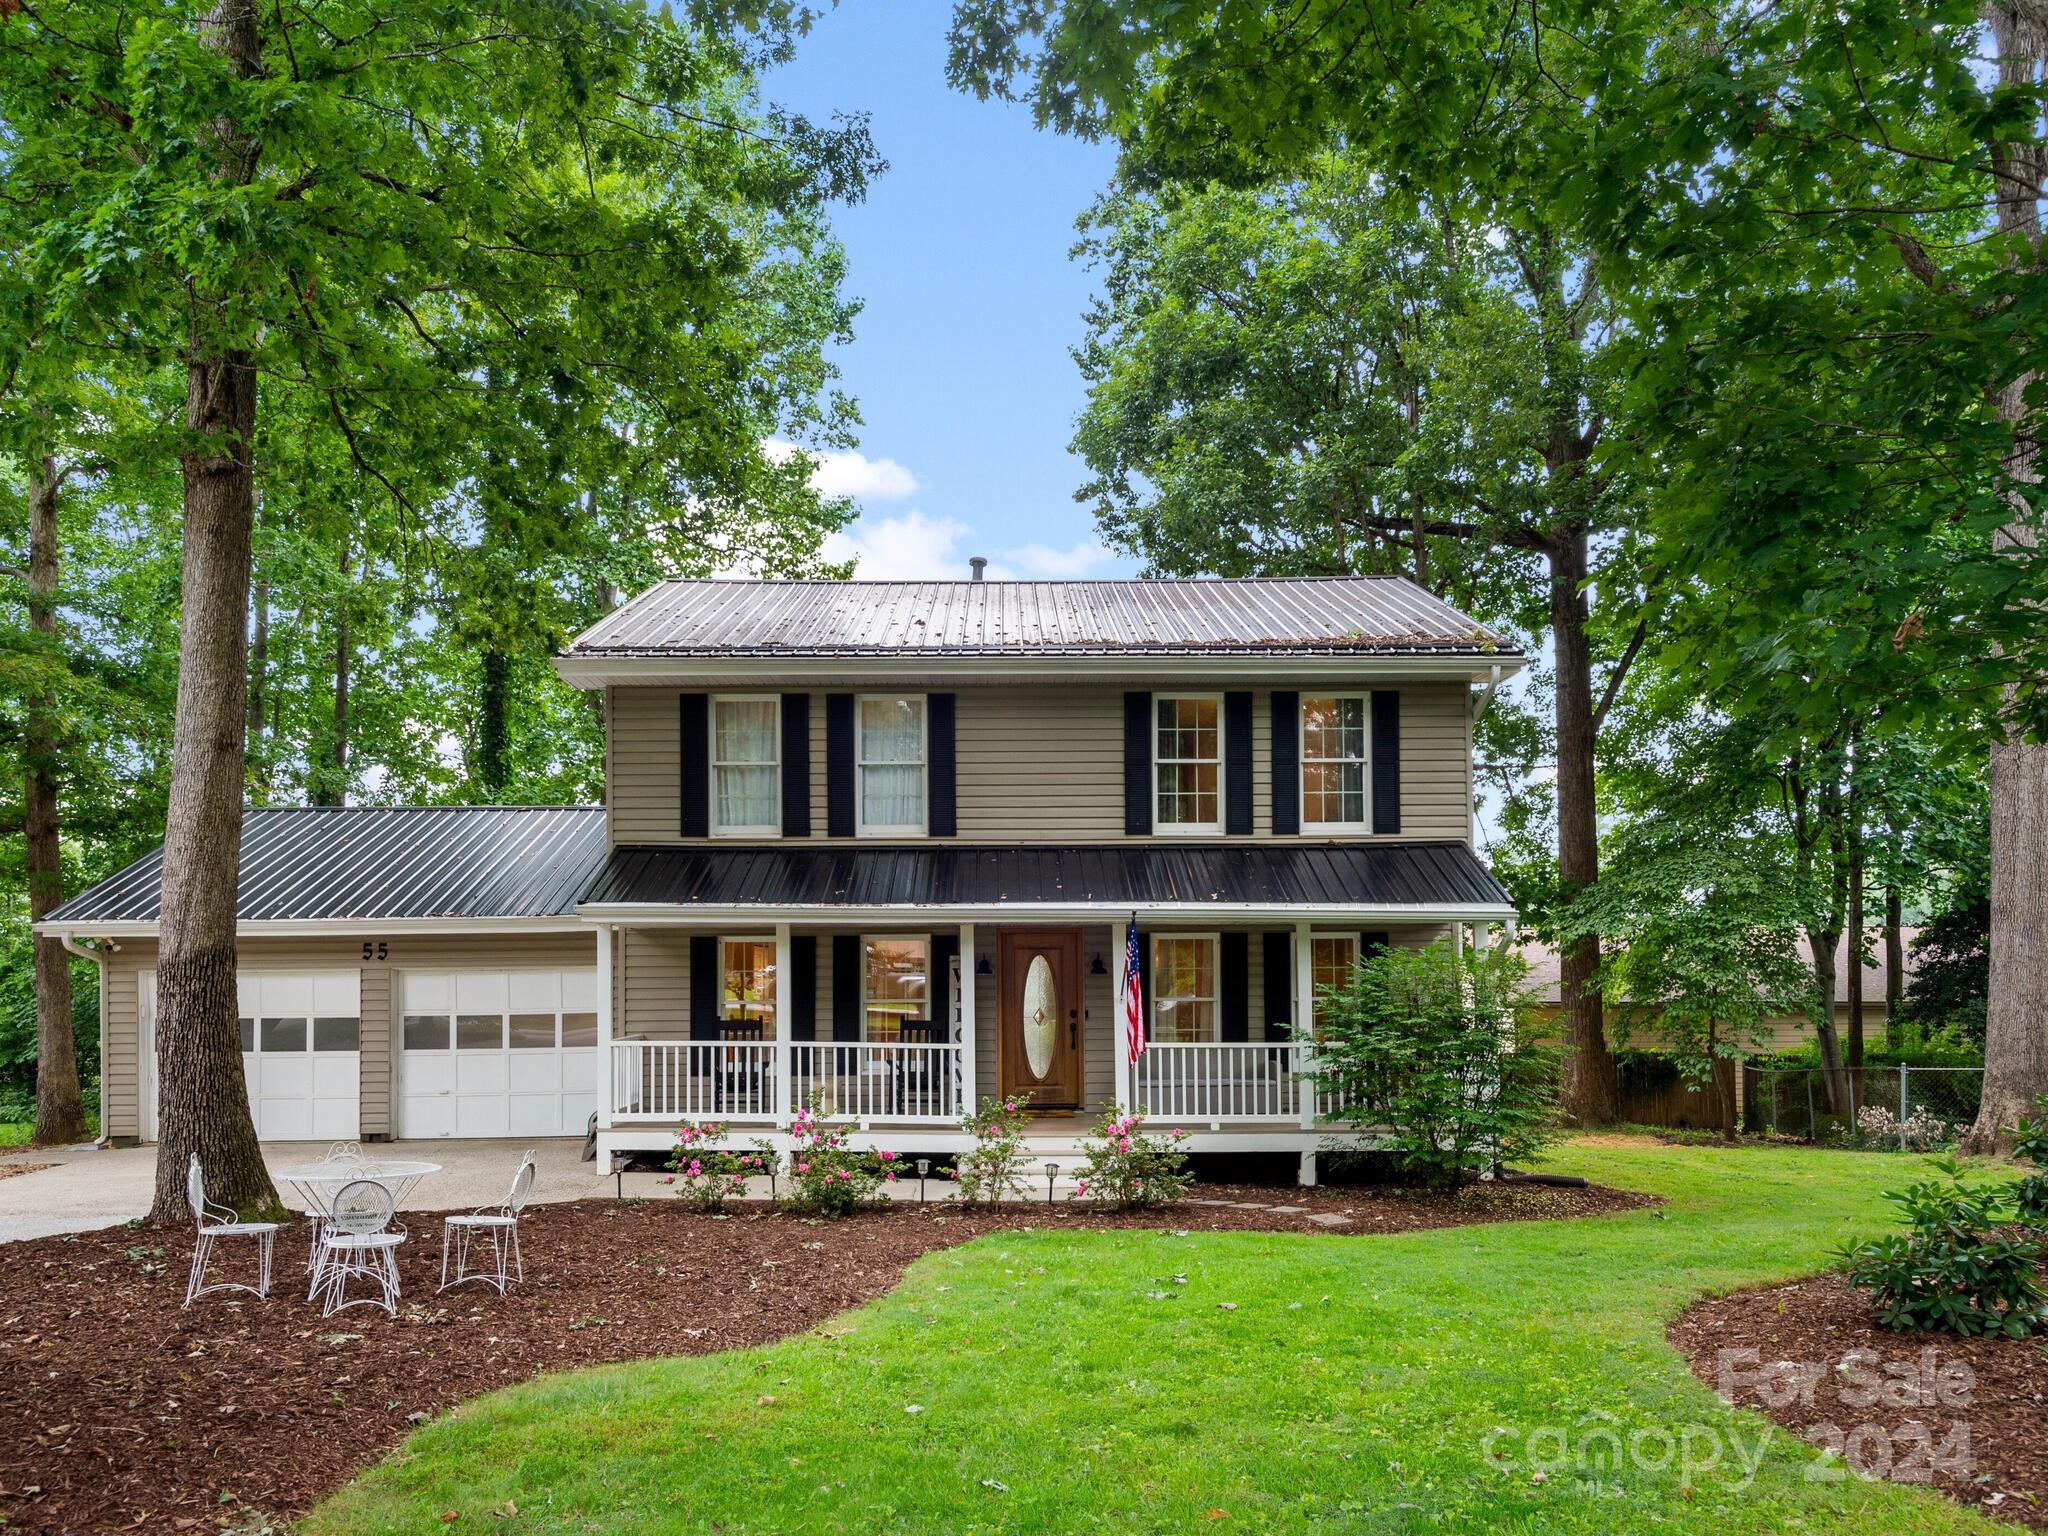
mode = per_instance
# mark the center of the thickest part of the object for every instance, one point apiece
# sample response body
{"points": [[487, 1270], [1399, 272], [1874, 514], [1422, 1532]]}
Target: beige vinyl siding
{"points": [[121, 1094], [1044, 763]]}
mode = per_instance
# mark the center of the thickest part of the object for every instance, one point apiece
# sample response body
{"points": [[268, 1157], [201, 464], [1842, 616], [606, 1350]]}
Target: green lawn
{"points": [[1357, 1385]]}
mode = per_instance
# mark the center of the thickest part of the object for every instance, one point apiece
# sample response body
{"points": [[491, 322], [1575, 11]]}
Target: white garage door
{"points": [[301, 1053], [497, 1053]]}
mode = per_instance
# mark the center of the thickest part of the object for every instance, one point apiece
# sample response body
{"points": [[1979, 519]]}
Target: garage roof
{"points": [[344, 863]]}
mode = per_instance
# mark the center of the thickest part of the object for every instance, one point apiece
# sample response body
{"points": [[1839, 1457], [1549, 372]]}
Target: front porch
{"points": [[921, 1022]]}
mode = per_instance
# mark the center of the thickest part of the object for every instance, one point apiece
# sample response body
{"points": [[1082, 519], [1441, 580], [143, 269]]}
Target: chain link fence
{"points": [[1907, 1109]]}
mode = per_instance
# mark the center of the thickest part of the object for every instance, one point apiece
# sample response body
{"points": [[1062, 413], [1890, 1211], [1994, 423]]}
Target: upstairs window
{"points": [[1187, 759], [896, 988], [746, 766], [748, 1001], [1333, 763], [1184, 988], [890, 762]]}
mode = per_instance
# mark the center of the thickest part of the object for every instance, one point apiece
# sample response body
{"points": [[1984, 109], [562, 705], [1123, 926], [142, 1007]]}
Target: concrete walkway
{"points": [[90, 1187]]}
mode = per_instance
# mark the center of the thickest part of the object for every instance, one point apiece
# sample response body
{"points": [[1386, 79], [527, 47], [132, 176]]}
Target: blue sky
{"points": [[960, 361]]}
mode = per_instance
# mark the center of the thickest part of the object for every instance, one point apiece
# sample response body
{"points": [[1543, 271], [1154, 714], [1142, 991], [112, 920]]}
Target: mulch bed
{"points": [[121, 1412], [1960, 1415]]}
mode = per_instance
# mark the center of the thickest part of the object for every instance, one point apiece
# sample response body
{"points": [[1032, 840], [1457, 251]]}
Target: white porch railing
{"points": [[693, 1080], [876, 1082], [1238, 1080]]}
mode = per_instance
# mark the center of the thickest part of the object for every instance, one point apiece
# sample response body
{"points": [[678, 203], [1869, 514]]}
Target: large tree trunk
{"points": [[1853, 979], [2016, 1026], [202, 1101], [1591, 1089], [60, 1108], [1823, 943], [1894, 964]]}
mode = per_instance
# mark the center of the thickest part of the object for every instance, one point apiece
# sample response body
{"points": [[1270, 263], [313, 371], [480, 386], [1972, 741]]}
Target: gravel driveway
{"points": [[89, 1187]]}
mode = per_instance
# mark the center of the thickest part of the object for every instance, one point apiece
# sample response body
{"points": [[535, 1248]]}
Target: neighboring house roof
{"points": [[1542, 961], [1309, 616], [369, 863], [1339, 876]]}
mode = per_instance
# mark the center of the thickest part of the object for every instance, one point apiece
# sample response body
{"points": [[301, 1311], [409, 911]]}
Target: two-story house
{"points": [[873, 844]]}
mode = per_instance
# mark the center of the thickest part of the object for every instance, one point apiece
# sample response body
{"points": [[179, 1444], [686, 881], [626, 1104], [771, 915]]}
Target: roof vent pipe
{"points": [[979, 565]]}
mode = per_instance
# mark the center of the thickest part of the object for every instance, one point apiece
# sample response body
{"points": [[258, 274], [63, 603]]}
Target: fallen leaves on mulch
{"points": [[9, 1170], [1960, 1415], [120, 1411]]}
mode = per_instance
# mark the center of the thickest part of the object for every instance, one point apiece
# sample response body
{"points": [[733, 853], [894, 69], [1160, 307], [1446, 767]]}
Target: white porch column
{"points": [[607, 1070], [1458, 938], [1305, 1019], [783, 1005], [969, 1085]]}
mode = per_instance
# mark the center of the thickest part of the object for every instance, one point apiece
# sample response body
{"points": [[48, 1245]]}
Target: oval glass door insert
{"points": [[1041, 1015]]}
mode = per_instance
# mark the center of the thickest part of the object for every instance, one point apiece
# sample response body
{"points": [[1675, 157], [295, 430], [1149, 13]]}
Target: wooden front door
{"points": [[1040, 1048]]}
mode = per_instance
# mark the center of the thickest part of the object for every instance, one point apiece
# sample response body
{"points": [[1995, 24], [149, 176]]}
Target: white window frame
{"points": [[769, 829], [1189, 828], [1364, 822], [725, 970], [1214, 1000], [866, 997], [862, 827]]}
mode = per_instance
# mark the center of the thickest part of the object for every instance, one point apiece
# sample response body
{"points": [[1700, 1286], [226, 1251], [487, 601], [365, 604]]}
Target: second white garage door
{"points": [[496, 1053]]}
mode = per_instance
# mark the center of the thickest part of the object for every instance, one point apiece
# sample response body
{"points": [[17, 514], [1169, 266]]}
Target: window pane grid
{"points": [[1183, 989], [745, 770], [1187, 750], [749, 994], [896, 985], [890, 756], [1333, 761]]}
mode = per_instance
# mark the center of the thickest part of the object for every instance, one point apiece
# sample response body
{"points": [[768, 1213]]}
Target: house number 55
{"points": [[380, 950]]}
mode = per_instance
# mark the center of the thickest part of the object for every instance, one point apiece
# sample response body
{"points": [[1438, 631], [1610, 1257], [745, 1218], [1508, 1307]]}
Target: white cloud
{"points": [[1043, 562], [912, 547], [847, 472]]}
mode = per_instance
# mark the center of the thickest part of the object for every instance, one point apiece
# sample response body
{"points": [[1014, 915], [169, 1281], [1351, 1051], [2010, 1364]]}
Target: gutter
{"points": [[671, 914], [317, 927], [1051, 667]]}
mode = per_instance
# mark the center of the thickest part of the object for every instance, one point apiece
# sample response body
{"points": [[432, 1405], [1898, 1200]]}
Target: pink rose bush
{"points": [[1129, 1169], [826, 1176], [993, 1168], [706, 1172]]}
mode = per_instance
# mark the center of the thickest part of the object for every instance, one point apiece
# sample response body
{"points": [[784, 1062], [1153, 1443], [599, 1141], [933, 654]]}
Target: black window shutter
{"points": [[1286, 764], [944, 947], [796, 765], [939, 711], [1369, 942], [1276, 947], [839, 765], [1137, 764], [696, 749], [705, 985], [1386, 761], [1144, 982], [803, 987], [1234, 980], [846, 979], [1237, 765]]}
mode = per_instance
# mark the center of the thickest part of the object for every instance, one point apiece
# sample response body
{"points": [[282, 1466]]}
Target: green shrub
{"points": [[826, 1177], [708, 1173], [1436, 1047], [1960, 1267], [2030, 1145], [1129, 1170], [993, 1167]]}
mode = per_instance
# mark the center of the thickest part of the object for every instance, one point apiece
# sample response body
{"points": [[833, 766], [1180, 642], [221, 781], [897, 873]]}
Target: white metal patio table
{"points": [[318, 1183]]}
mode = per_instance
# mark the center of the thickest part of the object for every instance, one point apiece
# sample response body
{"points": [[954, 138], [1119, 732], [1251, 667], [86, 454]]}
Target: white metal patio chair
{"points": [[498, 1223], [340, 1155], [215, 1222], [360, 1241]]}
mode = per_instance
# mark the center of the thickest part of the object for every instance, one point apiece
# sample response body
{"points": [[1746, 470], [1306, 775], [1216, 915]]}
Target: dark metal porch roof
{"points": [[1278, 875]]}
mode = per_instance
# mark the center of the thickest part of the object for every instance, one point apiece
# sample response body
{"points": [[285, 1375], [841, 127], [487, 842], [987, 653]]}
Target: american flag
{"points": [[1133, 997]]}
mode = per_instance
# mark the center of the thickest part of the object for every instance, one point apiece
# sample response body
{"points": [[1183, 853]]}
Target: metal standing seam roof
{"points": [[1309, 616], [1275, 874], [346, 863]]}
